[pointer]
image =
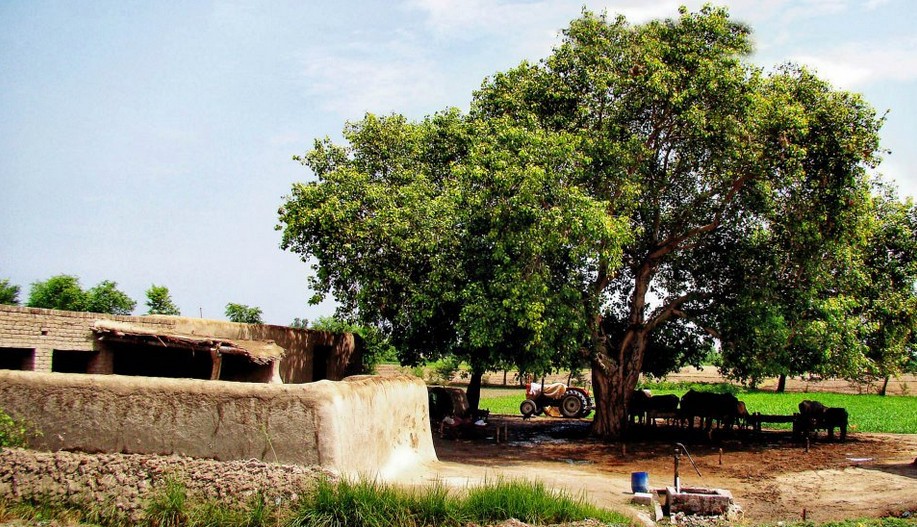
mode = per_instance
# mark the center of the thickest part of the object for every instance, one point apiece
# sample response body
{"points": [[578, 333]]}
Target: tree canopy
{"points": [[65, 293], [243, 314], [159, 301], [9, 293], [629, 200]]}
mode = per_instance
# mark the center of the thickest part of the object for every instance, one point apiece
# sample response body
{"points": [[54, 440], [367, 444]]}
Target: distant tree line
{"points": [[65, 293]]}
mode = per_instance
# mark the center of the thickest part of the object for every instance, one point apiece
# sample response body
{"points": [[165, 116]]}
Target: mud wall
{"points": [[363, 425]]}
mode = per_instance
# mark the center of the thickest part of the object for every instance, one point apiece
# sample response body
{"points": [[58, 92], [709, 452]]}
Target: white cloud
{"points": [[858, 64], [378, 77]]}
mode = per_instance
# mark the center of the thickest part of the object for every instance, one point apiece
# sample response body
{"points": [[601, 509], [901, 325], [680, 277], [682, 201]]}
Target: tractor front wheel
{"points": [[528, 408]]}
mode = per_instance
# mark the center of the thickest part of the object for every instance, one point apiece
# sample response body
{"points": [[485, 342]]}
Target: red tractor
{"points": [[572, 402]]}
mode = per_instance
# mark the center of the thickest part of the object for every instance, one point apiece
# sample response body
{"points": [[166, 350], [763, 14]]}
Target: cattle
{"points": [[645, 407], [811, 408], [814, 416], [724, 408], [639, 404], [662, 407]]}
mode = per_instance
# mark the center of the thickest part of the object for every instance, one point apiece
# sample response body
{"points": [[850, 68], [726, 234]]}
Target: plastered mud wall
{"points": [[362, 425]]}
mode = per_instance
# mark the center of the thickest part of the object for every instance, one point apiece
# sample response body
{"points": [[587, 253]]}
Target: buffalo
{"points": [[814, 416], [645, 407], [724, 408]]}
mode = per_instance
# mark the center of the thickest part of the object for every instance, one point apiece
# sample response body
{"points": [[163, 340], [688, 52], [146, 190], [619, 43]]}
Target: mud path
{"points": [[771, 477]]}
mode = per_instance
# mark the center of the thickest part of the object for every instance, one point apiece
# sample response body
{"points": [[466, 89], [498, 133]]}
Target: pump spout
{"points": [[679, 448]]}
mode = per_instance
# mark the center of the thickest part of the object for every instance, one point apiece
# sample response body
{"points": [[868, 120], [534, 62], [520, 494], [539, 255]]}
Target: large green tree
{"points": [[704, 155], [846, 310], [609, 201], [455, 236]]}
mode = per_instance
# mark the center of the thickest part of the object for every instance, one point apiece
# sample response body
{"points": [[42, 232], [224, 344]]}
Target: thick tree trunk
{"points": [[614, 378], [474, 390], [781, 383], [616, 362]]}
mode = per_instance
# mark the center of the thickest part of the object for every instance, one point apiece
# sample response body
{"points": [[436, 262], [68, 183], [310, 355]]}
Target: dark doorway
{"points": [[17, 359], [320, 358], [71, 361], [157, 361], [238, 368]]}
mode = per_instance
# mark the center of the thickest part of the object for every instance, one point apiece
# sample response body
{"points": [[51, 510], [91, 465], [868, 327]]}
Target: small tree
{"points": [[9, 293], [243, 314], [159, 301], [300, 323], [106, 298], [58, 292]]}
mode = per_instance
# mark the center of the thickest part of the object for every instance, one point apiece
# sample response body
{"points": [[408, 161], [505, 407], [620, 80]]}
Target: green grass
{"points": [[868, 413], [335, 504]]}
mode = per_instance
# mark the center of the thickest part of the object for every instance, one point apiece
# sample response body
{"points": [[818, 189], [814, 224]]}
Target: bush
{"points": [[13, 432]]}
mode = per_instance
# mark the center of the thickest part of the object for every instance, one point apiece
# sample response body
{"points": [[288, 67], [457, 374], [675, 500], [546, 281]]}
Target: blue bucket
{"points": [[640, 482]]}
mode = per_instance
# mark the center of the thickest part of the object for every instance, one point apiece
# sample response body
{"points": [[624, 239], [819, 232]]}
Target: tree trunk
{"points": [[781, 383], [474, 390], [614, 378], [885, 386]]}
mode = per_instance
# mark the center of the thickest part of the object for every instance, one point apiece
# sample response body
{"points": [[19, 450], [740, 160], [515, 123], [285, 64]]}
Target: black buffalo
{"points": [[814, 416], [645, 407], [724, 408], [639, 403]]}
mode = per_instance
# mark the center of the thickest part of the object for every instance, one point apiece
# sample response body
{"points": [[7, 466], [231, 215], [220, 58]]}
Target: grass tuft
{"points": [[167, 507]]}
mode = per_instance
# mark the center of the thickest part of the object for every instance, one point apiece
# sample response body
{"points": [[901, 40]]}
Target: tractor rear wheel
{"points": [[571, 405]]}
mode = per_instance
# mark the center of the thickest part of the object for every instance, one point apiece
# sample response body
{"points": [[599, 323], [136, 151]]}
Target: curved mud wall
{"points": [[362, 425]]}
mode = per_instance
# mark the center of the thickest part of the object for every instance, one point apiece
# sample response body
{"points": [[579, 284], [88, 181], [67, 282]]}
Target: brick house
{"points": [[46, 340]]}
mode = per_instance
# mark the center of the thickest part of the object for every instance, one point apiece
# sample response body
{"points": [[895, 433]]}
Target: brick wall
{"points": [[46, 330]]}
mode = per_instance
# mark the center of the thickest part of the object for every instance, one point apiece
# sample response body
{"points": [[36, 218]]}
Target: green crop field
{"points": [[868, 413]]}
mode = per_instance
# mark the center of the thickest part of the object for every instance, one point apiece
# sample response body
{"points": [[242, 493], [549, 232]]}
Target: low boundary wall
{"points": [[363, 425]]}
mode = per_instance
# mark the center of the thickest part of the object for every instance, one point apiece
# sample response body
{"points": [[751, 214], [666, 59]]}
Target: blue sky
{"points": [[151, 142]]}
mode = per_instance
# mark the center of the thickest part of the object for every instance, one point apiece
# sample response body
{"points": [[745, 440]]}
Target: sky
{"points": [[152, 142]]}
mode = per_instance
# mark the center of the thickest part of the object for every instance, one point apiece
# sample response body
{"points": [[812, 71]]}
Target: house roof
{"points": [[257, 351]]}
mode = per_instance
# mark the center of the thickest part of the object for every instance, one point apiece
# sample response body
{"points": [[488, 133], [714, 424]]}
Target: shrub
{"points": [[13, 432]]}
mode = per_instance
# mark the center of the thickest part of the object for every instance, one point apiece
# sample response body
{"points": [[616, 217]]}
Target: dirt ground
{"points": [[771, 477]]}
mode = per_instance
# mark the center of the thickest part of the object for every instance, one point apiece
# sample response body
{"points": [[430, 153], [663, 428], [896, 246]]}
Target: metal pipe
{"points": [[678, 448]]}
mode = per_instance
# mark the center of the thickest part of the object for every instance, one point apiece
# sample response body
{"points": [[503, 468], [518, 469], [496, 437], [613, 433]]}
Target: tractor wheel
{"points": [[528, 408], [571, 405], [587, 408]]}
